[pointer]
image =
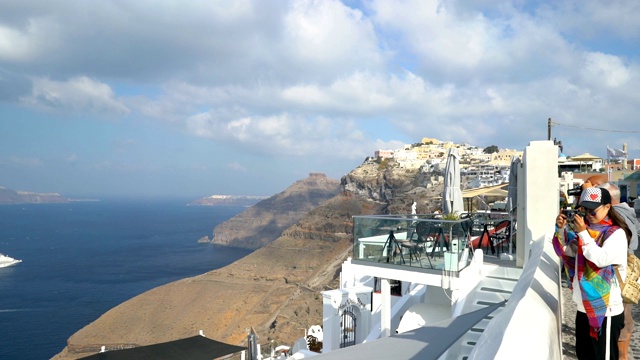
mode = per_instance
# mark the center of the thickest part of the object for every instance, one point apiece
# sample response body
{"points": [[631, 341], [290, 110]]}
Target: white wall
{"points": [[538, 189], [531, 322]]}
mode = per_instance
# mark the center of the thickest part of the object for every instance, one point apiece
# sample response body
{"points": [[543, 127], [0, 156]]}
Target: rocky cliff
{"points": [[387, 182], [277, 288], [265, 221]]}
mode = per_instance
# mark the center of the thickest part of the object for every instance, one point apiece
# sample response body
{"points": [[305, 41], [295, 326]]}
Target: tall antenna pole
{"points": [[549, 129]]}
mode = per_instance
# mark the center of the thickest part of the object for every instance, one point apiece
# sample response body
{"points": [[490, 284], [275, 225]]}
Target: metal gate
{"points": [[348, 329]]}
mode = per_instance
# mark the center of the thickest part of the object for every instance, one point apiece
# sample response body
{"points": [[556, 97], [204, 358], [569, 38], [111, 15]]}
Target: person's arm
{"points": [[612, 252], [570, 247]]}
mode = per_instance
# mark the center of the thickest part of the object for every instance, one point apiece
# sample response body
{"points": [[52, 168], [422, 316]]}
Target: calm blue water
{"points": [[82, 259]]}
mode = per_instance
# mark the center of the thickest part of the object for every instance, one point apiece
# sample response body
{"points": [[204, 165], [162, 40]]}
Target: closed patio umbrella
{"points": [[512, 195], [452, 195], [512, 190]]}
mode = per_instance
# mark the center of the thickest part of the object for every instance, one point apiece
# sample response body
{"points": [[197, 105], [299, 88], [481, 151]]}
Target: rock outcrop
{"points": [[264, 222], [387, 182]]}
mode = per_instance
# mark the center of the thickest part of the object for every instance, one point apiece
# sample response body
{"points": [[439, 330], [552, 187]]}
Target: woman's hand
{"points": [[561, 221], [579, 224]]}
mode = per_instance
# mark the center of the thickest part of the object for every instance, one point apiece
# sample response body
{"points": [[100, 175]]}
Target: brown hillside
{"points": [[275, 289]]}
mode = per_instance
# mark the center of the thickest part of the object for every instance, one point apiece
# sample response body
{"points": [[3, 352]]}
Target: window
{"points": [[395, 285]]}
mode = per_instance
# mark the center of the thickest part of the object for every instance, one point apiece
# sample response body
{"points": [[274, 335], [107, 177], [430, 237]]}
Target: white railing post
{"points": [[385, 315], [538, 207]]}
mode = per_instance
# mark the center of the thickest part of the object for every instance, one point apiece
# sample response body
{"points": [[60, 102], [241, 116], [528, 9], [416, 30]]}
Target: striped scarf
{"points": [[594, 282]]}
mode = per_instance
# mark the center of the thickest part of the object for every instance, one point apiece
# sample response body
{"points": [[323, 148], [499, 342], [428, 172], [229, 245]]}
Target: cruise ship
{"points": [[7, 261]]}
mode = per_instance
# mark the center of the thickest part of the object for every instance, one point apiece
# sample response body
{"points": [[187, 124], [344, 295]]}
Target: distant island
{"points": [[10, 197], [15, 197], [228, 200]]}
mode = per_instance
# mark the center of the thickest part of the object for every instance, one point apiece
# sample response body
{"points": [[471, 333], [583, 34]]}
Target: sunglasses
{"points": [[590, 212]]}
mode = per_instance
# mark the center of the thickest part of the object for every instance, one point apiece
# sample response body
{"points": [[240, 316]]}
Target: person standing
{"points": [[589, 249], [629, 215], [626, 212]]}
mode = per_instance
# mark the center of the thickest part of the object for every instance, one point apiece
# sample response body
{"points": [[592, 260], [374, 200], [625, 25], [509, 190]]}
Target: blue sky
{"points": [[172, 98]]}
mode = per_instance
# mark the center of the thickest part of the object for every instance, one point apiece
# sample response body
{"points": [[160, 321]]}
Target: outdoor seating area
{"points": [[436, 241], [427, 241]]}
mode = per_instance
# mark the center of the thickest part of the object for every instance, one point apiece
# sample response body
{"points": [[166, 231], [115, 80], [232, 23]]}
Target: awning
{"points": [[495, 190], [633, 177], [192, 348], [584, 157]]}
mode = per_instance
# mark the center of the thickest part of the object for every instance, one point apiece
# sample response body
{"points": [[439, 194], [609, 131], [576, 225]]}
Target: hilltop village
{"points": [[490, 166], [483, 167]]}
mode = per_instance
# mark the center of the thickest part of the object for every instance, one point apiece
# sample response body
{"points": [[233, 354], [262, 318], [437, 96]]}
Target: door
{"points": [[348, 328]]}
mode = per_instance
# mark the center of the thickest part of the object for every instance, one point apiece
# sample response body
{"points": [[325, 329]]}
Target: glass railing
{"points": [[425, 241]]}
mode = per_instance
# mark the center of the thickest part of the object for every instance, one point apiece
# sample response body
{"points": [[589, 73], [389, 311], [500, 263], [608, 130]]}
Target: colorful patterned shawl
{"points": [[594, 282]]}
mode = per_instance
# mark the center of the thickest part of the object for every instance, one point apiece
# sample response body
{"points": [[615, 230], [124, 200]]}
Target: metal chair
{"points": [[501, 234], [423, 240]]}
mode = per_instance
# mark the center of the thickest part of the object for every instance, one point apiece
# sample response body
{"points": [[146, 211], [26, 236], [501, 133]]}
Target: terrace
{"points": [[427, 242]]}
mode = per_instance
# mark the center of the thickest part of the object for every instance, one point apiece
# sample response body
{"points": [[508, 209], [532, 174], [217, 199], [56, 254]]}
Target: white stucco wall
{"points": [[538, 189], [531, 322]]}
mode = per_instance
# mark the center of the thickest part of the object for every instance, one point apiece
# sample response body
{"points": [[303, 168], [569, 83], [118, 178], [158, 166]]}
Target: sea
{"points": [[81, 259]]}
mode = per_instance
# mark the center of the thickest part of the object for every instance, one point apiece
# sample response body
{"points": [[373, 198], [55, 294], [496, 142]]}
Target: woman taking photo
{"points": [[590, 244]]}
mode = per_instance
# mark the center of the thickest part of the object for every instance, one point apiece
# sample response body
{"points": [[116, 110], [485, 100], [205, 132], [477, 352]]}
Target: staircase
{"points": [[495, 287]]}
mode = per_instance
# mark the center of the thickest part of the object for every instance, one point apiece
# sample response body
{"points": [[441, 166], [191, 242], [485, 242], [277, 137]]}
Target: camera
{"points": [[576, 191], [571, 213]]}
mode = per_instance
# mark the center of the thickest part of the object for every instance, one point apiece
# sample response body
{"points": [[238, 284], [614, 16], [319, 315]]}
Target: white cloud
{"points": [[80, 94], [36, 38], [281, 134], [605, 69], [236, 166], [594, 19], [25, 161], [325, 80], [322, 36]]}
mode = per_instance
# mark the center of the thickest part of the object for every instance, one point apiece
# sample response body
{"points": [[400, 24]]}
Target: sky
{"points": [[194, 98]]}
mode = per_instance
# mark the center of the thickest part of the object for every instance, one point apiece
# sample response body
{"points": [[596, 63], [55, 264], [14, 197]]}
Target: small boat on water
{"points": [[7, 261]]}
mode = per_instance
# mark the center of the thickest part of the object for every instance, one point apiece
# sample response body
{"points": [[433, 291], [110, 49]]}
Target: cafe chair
{"points": [[500, 235]]}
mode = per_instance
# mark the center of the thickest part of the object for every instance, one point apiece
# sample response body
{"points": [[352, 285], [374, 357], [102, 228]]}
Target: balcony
{"points": [[428, 242]]}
